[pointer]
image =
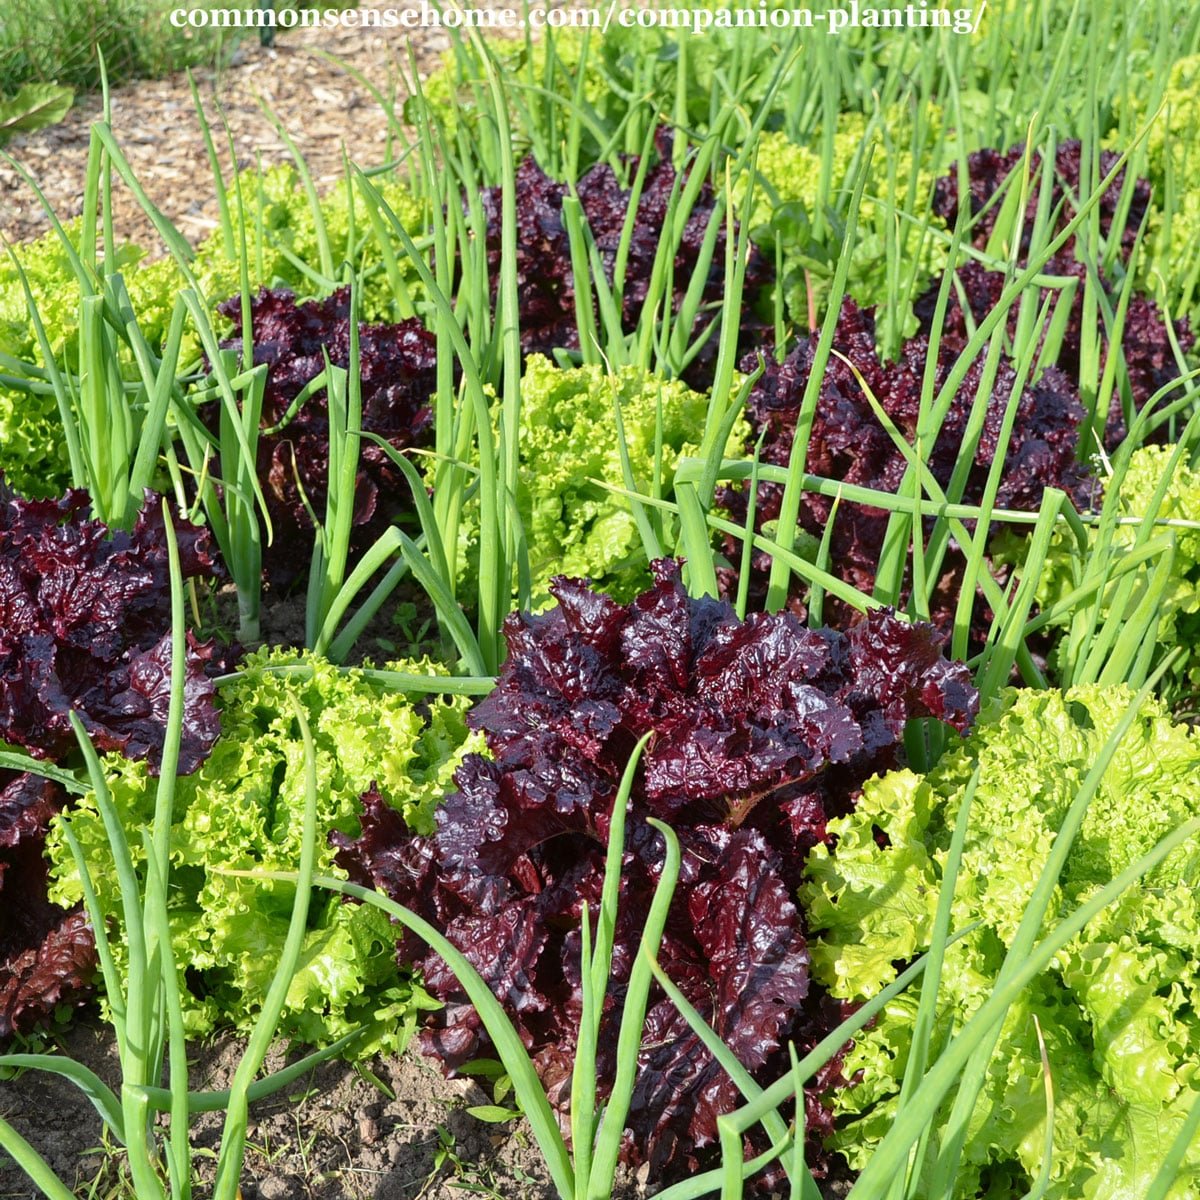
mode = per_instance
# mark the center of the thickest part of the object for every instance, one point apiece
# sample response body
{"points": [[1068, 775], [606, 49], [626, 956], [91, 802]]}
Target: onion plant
{"points": [[484, 344], [143, 1001], [113, 388]]}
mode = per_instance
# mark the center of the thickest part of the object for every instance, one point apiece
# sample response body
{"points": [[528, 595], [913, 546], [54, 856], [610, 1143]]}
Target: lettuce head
{"points": [[1119, 1008], [243, 811]]}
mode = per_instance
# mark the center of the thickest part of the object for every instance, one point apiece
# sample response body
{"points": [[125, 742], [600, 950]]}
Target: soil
{"points": [[396, 1130], [388, 1129]]}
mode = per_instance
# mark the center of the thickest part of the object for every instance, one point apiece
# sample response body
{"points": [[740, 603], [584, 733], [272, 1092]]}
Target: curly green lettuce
{"points": [[570, 448], [788, 189], [243, 811], [1119, 1007], [282, 233], [1169, 142]]}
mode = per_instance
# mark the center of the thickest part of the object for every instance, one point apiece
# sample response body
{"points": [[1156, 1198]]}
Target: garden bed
{"points": [[669, 588]]}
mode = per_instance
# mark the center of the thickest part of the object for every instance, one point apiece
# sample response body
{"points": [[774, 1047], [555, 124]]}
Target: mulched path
{"points": [[322, 105]]}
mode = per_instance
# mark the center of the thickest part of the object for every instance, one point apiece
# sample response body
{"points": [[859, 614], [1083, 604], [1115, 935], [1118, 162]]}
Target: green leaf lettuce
{"points": [[1120, 1008], [242, 811]]}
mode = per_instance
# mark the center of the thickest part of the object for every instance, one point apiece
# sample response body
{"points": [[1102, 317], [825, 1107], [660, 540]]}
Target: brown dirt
{"points": [[319, 103], [334, 1135], [392, 1129]]}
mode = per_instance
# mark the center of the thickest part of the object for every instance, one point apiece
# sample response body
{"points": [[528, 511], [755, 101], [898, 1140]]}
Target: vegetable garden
{"points": [[676, 593]]}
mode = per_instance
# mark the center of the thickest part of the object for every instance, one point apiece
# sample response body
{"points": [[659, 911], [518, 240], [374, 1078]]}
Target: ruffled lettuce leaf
{"points": [[47, 957], [243, 810], [84, 620], [849, 444], [399, 375], [1117, 1007], [763, 729]]}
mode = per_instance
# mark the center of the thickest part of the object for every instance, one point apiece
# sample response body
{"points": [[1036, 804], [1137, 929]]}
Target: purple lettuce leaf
{"points": [[82, 618], [545, 278], [57, 969], [128, 711], [849, 444], [399, 375], [751, 721], [47, 956], [27, 803], [750, 976]]}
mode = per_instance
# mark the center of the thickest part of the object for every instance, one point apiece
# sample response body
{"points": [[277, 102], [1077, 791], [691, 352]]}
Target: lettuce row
{"points": [[242, 810], [1119, 1006]]}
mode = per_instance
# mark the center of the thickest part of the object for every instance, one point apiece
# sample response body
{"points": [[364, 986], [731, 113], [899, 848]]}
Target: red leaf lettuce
{"points": [[1145, 340], [398, 371], [84, 615], [763, 729], [47, 956], [545, 278], [849, 444]]}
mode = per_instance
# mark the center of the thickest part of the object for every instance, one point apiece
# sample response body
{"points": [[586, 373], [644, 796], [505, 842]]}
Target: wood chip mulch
{"points": [[322, 106]]}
